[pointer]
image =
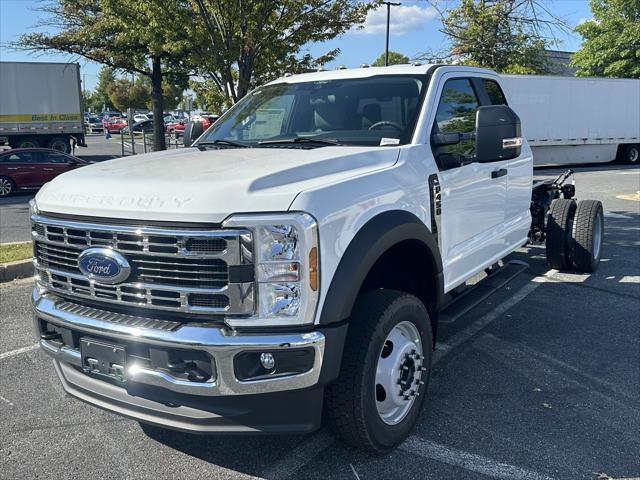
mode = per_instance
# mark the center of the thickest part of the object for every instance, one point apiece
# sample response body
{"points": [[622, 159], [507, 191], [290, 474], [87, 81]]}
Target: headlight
{"points": [[286, 268], [33, 207]]}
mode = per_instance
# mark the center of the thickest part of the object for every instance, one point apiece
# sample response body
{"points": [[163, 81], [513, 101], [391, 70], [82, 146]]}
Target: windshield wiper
{"points": [[301, 140], [223, 143]]}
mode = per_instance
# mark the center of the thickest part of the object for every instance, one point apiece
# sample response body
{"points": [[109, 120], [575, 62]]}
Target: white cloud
{"points": [[404, 19]]}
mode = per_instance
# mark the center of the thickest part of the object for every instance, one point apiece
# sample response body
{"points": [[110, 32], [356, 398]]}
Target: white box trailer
{"points": [[41, 105], [577, 120]]}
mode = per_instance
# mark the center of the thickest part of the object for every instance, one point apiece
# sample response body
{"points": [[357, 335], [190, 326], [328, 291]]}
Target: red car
{"points": [[113, 124], [177, 127], [29, 168]]}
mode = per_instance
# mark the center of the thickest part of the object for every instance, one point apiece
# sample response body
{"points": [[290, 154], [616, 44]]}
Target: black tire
{"points": [[588, 234], [7, 186], [351, 399], [27, 142], [60, 144], [630, 155], [559, 225]]}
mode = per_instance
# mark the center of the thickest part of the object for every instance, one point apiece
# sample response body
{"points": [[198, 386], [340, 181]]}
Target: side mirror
{"points": [[192, 132], [498, 133]]}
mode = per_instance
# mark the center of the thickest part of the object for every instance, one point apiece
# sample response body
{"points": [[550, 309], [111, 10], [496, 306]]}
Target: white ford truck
{"points": [[296, 256]]}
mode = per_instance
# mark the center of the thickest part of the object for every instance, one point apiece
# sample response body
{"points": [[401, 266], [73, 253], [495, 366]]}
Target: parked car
{"points": [[92, 124], [141, 117], [109, 114], [176, 126], [114, 124], [29, 168], [139, 127], [207, 119]]}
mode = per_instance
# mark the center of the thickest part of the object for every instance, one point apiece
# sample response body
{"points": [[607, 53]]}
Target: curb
{"points": [[14, 270]]}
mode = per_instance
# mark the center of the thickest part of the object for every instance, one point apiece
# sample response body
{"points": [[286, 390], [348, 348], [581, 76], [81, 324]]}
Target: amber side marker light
{"points": [[313, 269]]}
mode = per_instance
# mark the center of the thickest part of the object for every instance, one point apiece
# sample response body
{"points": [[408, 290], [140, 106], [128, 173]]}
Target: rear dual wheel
{"points": [[384, 374], [575, 232], [630, 155]]}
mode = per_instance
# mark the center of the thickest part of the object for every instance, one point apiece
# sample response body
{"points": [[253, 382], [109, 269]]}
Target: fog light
{"points": [[267, 360]]}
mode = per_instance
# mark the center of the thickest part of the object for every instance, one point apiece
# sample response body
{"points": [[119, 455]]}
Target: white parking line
{"points": [[615, 215], [18, 351], [306, 451], [468, 461]]}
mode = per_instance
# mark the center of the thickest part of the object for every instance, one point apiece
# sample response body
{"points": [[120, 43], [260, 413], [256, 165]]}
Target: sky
{"points": [[414, 29]]}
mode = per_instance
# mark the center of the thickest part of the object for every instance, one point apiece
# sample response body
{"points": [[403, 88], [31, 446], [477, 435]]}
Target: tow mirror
{"points": [[442, 139], [192, 132], [498, 133]]}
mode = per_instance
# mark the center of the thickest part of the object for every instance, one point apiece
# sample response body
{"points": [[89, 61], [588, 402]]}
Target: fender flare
{"points": [[376, 237]]}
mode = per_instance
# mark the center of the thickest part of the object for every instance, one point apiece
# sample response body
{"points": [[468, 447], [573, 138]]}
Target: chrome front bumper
{"points": [[221, 344]]}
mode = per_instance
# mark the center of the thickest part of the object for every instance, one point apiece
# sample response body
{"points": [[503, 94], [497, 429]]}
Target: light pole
{"points": [[386, 50]]}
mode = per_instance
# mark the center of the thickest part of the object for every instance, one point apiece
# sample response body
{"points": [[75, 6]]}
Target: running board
{"points": [[476, 294]]}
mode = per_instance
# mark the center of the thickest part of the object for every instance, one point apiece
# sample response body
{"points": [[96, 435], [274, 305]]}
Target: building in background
{"points": [[559, 63]]}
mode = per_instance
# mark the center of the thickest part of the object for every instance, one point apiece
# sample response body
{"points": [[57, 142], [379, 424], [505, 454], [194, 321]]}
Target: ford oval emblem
{"points": [[104, 265]]}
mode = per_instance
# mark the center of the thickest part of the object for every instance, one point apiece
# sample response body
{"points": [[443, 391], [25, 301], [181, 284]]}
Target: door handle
{"points": [[499, 173], [13, 168], [48, 169]]}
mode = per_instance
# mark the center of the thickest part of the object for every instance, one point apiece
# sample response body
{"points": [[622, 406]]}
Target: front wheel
{"points": [[376, 400]]}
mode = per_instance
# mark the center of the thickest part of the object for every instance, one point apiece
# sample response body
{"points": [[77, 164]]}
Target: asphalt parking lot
{"points": [[540, 381]]}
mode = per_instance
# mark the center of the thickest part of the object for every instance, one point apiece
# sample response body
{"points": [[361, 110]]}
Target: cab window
{"points": [[55, 158], [456, 113], [18, 158], [494, 92]]}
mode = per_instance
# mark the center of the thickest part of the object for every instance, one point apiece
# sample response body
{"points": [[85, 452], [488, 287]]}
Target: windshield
{"points": [[379, 110]]}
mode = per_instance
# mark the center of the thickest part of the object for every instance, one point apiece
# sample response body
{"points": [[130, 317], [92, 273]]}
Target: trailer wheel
{"points": [[559, 227], [60, 144], [376, 400], [27, 142], [631, 155], [588, 234]]}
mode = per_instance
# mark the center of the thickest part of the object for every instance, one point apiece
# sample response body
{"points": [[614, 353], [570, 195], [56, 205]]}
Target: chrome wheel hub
{"points": [[399, 373]]}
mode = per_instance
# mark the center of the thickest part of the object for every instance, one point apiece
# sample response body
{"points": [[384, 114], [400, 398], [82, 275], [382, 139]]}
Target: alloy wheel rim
{"points": [[634, 155], [399, 373], [5, 187]]}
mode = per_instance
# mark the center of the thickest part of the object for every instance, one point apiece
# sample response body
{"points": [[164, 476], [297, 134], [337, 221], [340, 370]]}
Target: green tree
{"points": [[209, 97], [124, 93], [100, 98], [505, 35], [148, 38], [611, 46], [243, 42], [395, 58]]}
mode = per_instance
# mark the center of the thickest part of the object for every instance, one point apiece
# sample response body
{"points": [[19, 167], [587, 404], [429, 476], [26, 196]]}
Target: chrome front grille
{"points": [[180, 270]]}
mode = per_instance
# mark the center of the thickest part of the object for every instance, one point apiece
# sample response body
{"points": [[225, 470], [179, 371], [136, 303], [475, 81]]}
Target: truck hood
{"points": [[190, 185]]}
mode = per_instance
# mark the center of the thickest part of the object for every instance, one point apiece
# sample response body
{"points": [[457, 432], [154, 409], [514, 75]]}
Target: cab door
{"points": [[19, 167], [473, 195], [51, 164]]}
